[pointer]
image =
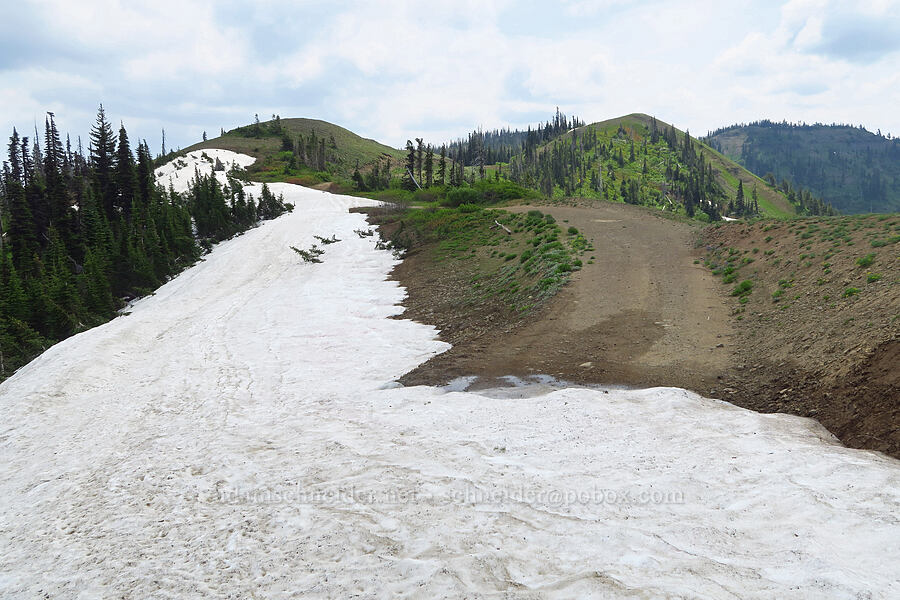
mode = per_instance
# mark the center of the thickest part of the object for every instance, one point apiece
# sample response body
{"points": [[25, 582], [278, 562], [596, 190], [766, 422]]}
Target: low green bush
{"points": [[743, 288], [866, 260], [462, 195]]}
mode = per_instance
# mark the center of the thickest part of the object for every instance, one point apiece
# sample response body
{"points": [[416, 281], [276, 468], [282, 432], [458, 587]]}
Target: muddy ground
{"points": [[646, 313]]}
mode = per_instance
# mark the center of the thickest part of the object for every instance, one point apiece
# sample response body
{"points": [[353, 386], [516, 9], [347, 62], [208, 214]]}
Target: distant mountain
{"points": [[854, 170], [641, 160], [301, 149]]}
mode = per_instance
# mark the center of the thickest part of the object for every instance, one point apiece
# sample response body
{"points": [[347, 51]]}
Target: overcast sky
{"points": [[398, 70]]}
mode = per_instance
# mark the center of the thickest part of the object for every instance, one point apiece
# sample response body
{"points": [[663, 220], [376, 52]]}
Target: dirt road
{"points": [[642, 314]]}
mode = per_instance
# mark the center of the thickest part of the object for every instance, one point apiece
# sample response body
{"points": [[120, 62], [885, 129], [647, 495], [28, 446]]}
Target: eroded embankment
{"points": [[645, 311]]}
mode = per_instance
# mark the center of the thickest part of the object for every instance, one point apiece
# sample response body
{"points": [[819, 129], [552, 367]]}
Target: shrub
{"points": [[873, 277], [573, 231], [546, 282], [497, 191], [743, 288], [850, 291], [424, 196], [880, 243], [463, 195], [866, 260]]}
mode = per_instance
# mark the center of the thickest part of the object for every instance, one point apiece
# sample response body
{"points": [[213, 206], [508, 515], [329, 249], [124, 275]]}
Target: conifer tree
{"points": [[408, 180], [96, 289], [21, 224], [125, 175], [103, 149], [145, 180], [419, 158], [57, 196], [429, 166], [442, 165]]}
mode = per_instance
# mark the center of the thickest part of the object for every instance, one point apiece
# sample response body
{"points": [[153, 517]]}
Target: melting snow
{"points": [[237, 435], [179, 172]]}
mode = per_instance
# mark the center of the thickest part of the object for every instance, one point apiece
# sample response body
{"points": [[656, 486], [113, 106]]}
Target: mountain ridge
{"points": [[849, 167]]}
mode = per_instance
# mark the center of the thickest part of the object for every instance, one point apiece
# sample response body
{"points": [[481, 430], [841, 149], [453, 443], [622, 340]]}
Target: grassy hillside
{"points": [[853, 169], [284, 150], [640, 160]]}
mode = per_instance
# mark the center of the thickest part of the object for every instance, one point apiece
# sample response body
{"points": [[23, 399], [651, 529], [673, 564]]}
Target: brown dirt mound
{"points": [[328, 186]]}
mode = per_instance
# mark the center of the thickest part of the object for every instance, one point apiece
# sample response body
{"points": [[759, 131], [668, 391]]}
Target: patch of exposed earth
{"points": [[644, 313]]}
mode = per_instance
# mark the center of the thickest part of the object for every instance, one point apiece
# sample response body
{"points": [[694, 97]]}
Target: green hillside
{"points": [[302, 150], [640, 160], [854, 170]]}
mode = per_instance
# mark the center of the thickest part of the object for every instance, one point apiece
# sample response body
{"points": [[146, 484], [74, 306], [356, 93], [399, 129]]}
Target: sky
{"points": [[397, 70]]}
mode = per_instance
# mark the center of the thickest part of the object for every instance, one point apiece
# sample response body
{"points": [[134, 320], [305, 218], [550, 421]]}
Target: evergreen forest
{"points": [[84, 233]]}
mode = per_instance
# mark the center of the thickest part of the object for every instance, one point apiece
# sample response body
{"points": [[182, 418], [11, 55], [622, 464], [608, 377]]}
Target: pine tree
{"points": [[739, 199], [429, 166], [145, 179], [420, 147], [125, 175], [442, 165], [358, 179], [103, 149], [13, 300], [60, 291], [408, 179], [57, 194], [21, 223], [96, 289]]}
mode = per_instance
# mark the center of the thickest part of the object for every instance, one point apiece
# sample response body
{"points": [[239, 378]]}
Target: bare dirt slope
{"points": [[641, 313], [819, 334], [816, 336]]}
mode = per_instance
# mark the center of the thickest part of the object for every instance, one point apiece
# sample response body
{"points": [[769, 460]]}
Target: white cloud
{"points": [[398, 70]]}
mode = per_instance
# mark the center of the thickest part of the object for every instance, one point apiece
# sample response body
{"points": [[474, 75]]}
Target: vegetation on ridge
{"points": [[853, 169]]}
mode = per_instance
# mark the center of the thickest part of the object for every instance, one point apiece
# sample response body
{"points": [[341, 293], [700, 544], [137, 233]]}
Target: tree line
{"points": [[828, 167], [83, 233]]}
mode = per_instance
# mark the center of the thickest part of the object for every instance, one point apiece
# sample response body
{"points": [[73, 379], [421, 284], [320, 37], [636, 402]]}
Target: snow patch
{"points": [[180, 172]]}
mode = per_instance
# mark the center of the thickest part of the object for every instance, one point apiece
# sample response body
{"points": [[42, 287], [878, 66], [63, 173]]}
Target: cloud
{"points": [[859, 39], [394, 71]]}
